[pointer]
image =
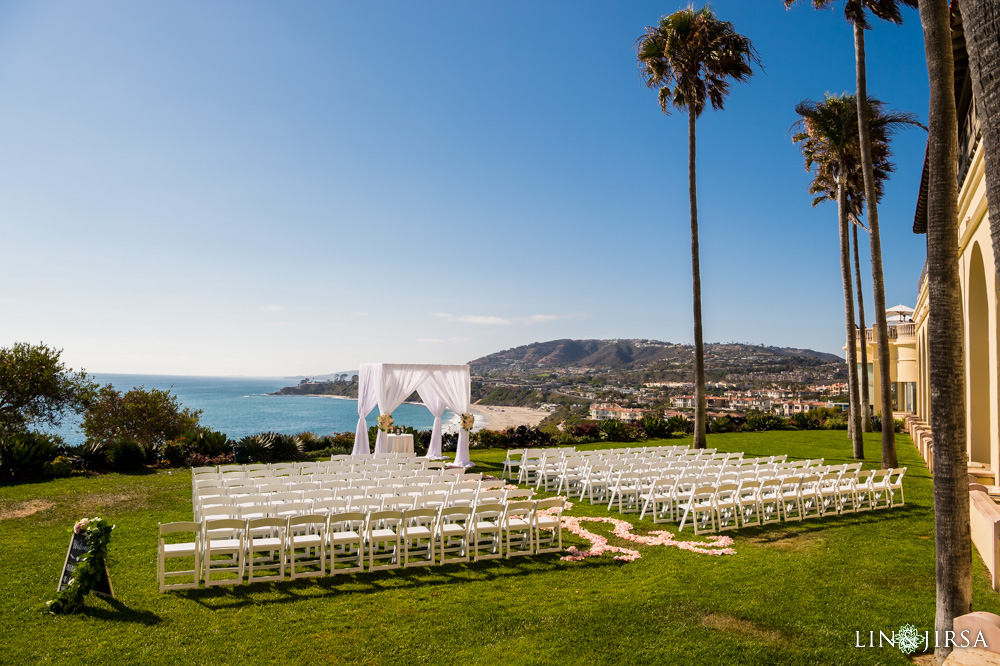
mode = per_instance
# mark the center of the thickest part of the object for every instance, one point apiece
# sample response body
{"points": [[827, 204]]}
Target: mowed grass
{"points": [[793, 594]]}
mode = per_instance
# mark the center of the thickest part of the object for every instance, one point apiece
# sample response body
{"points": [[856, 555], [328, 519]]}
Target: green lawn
{"points": [[794, 593]]}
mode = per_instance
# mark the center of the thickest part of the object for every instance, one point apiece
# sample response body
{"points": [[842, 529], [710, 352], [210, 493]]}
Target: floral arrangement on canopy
{"points": [[385, 422], [467, 421], [90, 571]]}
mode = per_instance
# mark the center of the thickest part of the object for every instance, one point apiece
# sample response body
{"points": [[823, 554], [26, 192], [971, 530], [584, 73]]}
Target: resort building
{"points": [[608, 412], [902, 362]]}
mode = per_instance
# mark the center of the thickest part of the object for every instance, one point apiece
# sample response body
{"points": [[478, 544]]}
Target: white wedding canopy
{"points": [[387, 385]]}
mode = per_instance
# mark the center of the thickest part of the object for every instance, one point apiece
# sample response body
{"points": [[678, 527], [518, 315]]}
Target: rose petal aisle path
{"points": [[716, 545]]}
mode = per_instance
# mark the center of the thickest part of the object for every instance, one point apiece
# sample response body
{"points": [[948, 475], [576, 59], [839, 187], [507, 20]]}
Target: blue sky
{"points": [[261, 188]]}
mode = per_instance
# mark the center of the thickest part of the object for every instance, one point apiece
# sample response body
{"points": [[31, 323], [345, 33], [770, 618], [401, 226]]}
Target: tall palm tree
{"points": [[866, 422], [691, 57], [855, 12], [952, 533], [981, 22], [831, 145]]}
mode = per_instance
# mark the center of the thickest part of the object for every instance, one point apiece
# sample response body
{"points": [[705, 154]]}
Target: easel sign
{"points": [[77, 548]]}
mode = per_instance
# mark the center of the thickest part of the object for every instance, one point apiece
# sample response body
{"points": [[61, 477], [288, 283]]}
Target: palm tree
{"points": [[691, 57], [854, 11], [952, 533], [981, 22], [866, 421], [831, 144]]}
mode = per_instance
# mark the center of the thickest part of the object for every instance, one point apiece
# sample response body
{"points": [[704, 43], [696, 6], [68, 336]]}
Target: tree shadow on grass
{"points": [[238, 596], [119, 612], [775, 533]]}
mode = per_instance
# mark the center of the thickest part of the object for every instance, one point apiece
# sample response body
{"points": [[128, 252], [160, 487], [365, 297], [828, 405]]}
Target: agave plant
{"points": [[23, 455], [257, 447]]}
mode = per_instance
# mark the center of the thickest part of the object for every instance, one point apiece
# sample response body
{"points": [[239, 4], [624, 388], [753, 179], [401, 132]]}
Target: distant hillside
{"points": [[631, 355]]}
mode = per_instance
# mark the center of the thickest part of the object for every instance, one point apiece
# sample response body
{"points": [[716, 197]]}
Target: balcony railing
{"points": [[968, 139], [907, 331]]}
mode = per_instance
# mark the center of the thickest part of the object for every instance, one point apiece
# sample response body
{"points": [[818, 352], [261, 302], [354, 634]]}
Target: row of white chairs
{"points": [[718, 507], [313, 467], [231, 551], [367, 499], [528, 461]]}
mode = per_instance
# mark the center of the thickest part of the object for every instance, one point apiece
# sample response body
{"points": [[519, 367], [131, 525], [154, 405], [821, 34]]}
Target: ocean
{"points": [[240, 406]]}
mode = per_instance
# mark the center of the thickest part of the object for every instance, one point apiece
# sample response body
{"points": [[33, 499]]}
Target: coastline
{"points": [[496, 417]]}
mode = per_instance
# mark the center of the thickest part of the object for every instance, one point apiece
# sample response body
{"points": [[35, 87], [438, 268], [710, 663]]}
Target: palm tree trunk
{"points": [[852, 355], [981, 20], [878, 284], [700, 441], [952, 538], [866, 422]]}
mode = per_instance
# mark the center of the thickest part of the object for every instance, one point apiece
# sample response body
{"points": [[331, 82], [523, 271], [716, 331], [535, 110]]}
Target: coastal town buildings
{"points": [[608, 412]]}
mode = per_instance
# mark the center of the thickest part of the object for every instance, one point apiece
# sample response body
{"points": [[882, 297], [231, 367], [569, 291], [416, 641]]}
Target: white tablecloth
{"points": [[399, 444]]}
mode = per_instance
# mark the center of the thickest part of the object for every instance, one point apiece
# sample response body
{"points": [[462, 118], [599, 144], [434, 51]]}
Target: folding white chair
{"points": [[657, 500], [484, 531], [417, 536], [382, 537], [548, 525], [224, 541], [702, 509], [791, 498], [881, 497], [517, 526], [306, 548], [453, 533], [597, 481], [179, 550], [727, 508], [863, 491], [748, 500], [518, 494], [626, 490], [512, 463], [809, 496], [894, 482], [346, 536], [828, 495], [265, 549], [769, 498]]}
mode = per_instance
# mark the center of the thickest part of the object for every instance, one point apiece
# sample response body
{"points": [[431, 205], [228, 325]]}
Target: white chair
{"points": [[571, 474], [828, 493], [547, 532], [265, 549], [596, 482], [657, 500], [626, 490], [382, 539], [702, 509], [791, 498], [681, 494], [518, 494], [894, 482], [484, 531], [179, 550], [224, 540], [748, 500], [881, 497], [517, 524], [809, 496], [453, 534], [727, 507], [769, 499], [346, 538], [306, 548], [863, 491], [531, 461], [417, 536], [512, 463]]}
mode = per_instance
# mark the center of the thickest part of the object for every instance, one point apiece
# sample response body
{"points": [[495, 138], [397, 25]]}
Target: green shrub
{"points": [[614, 430], [679, 424], [57, 468], [311, 441], [835, 423], [286, 448], [125, 455], [25, 455], [762, 422], [172, 452], [91, 454], [206, 442], [722, 424], [654, 427], [489, 439], [805, 421]]}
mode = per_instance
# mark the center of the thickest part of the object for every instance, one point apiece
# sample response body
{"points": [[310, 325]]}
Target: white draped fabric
{"points": [[435, 404], [439, 386], [367, 399]]}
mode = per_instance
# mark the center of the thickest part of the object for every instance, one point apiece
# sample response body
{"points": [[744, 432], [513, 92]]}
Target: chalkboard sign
{"points": [[77, 547]]}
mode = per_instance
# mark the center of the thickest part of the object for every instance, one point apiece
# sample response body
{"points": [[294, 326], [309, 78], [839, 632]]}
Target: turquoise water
{"points": [[240, 406]]}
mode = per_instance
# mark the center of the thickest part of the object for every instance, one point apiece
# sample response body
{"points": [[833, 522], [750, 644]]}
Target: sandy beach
{"points": [[492, 417]]}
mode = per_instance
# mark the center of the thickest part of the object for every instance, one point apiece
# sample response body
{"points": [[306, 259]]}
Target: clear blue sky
{"points": [[263, 188]]}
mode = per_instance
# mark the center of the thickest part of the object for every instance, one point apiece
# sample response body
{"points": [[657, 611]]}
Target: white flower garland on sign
{"points": [[467, 421]]}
